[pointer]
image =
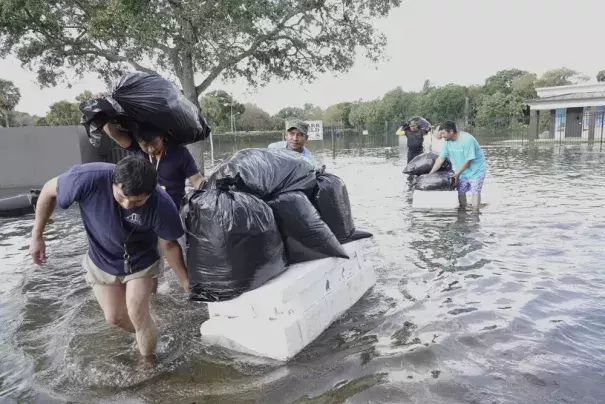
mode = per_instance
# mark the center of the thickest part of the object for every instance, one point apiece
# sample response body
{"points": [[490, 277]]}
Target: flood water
{"points": [[503, 307]]}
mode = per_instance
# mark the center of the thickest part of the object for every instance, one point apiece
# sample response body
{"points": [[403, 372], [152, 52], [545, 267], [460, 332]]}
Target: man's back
{"points": [[463, 149]]}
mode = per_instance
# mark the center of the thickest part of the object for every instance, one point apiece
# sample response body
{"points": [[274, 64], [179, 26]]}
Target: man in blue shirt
{"points": [[124, 212], [297, 135], [468, 161]]}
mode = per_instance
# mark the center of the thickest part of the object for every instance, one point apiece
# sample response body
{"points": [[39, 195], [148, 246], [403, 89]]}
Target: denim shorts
{"points": [[474, 186]]}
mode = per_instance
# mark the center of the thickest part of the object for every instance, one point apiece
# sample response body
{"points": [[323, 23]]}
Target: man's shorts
{"points": [[96, 276], [474, 186]]}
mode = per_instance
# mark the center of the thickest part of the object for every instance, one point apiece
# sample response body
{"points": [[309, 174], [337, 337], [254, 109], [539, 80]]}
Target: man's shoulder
{"points": [[91, 170], [467, 137]]}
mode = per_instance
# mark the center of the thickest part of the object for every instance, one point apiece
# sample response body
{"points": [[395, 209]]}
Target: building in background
{"points": [[574, 112]]}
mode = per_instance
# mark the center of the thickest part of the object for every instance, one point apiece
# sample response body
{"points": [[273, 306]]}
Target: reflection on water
{"points": [[502, 307]]}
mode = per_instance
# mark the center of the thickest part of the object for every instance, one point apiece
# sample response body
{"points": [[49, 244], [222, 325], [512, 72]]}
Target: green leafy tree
{"points": [[258, 40], [85, 96], [338, 113], [254, 118], [9, 98], [312, 112], [525, 86], [365, 113], [63, 113], [561, 77], [19, 119], [498, 110], [291, 112], [443, 103], [502, 81], [601, 76], [219, 107], [397, 105]]}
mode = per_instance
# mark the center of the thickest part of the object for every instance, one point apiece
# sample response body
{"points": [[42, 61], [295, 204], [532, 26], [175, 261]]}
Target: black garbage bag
{"points": [[423, 164], [266, 173], [233, 241], [439, 181], [306, 236], [98, 112], [332, 203], [151, 99]]}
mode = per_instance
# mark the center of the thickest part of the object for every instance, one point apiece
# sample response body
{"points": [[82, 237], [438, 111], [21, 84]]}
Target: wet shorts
{"points": [[473, 186], [96, 276]]}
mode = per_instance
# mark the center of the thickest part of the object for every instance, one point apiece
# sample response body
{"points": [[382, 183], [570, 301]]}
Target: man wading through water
{"points": [[414, 130], [124, 212], [173, 162]]}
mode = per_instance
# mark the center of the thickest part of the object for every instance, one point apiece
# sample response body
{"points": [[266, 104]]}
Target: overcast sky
{"points": [[446, 41]]}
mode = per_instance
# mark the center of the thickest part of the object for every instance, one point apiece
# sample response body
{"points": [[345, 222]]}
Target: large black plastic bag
{"points": [[267, 172], [333, 205], [151, 99], [306, 236], [439, 181], [424, 163], [234, 244]]}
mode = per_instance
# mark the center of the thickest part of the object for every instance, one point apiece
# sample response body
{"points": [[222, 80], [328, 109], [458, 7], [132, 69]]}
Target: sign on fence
{"points": [[316, 130]]}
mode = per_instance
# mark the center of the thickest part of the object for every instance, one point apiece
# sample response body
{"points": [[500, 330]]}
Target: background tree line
{"points": [[501, 97]]}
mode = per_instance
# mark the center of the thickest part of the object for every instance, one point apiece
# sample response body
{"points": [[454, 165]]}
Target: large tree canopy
{"points": [[254, 39]]}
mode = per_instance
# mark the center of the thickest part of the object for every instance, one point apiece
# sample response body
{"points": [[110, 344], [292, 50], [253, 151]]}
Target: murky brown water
{"points": [[505, 307]]}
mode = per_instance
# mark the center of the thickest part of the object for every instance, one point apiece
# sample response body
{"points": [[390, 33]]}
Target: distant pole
{"points": [[211, 150], [467, 108], [231, 105], [334, 145], [602, 122]]}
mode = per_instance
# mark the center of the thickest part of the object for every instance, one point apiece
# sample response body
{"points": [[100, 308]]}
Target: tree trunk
{"points": [[187, 80], [5, 113]]}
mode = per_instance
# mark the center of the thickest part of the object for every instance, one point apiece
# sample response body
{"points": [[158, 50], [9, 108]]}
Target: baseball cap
{"points": [[298, 124]]}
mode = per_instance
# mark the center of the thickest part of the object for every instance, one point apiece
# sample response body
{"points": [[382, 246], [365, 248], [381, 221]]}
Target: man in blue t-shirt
{"points": [[297, 135], [468, 161], [124, 212]]}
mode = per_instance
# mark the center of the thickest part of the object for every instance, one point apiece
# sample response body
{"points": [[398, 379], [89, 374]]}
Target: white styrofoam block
{"points": [[435, 199], [283, 316], [296, 289]]}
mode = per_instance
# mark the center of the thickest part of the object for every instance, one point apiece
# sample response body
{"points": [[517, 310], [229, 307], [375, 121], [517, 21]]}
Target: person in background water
{"points": [[173, 162], [468, 161], [124, 212], [297, 135], [415, 136]]}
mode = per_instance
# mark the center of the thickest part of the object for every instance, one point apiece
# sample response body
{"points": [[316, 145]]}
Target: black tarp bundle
{"points": [[143, 98], [424, 163], [439, 181], [233, 241]]}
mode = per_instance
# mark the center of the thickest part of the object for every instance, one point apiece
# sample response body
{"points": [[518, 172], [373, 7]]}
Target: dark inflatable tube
{"points": [[19, 205]]}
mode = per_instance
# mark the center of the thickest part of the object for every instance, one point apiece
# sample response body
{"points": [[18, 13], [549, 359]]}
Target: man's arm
{"points": [[437, 165], [44, 210], [174, 255], [119, 136], [464, 166], [197, 180]]}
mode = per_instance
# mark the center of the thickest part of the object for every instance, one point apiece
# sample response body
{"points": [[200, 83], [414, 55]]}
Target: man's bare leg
{"points": [[112, 299], [476, 202], [137, 302], [462, 200]]}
